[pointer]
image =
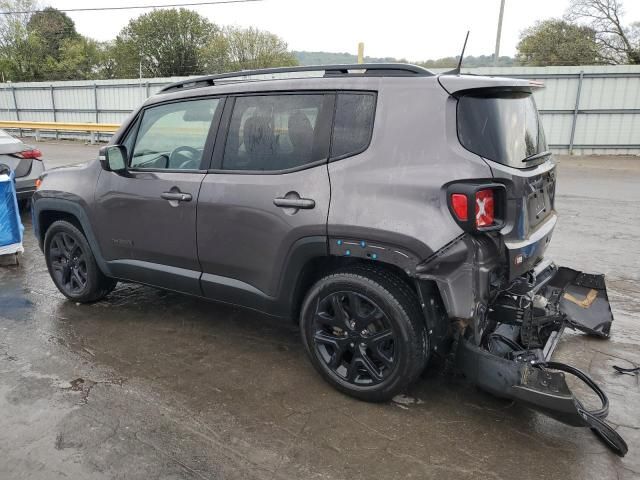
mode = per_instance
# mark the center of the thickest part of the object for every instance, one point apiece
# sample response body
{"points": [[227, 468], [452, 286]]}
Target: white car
{"points": [[25, 161]]}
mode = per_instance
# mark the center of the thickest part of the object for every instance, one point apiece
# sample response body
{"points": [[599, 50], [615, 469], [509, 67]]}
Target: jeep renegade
{"points": [[393, 213]]}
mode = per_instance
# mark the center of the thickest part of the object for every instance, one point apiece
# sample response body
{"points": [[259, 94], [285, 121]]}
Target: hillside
{"points": [[326, 58]]}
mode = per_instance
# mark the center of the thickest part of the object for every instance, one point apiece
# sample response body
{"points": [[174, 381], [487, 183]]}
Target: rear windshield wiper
{"points": [[537, 156]]}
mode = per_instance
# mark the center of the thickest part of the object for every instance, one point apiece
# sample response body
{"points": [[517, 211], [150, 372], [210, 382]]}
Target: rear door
{"points": [[146, 217], [266, 196]]}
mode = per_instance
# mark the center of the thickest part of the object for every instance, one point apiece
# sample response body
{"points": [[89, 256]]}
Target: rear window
{"points": [[501, 127], [353, 123], [276, 132]]}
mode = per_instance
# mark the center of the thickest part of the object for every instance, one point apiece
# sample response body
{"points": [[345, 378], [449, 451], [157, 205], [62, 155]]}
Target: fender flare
{"points": [[303, 251], [72, 207]]}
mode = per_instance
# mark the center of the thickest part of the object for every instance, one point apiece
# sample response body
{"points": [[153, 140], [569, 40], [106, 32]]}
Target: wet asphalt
{"points": [[149, 384]]}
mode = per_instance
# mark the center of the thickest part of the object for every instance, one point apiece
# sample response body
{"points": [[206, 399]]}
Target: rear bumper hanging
{"points": [[513, 358]]}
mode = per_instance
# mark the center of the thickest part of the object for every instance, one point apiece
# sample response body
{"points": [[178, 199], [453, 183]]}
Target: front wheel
{"points": [[72, 265], [363, 331]]}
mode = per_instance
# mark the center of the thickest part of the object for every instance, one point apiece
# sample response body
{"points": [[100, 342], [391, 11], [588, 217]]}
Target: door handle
{"points": [[305, 203], [176, 196]]}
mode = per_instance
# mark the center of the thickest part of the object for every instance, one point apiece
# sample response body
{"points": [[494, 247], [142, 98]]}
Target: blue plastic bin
{"points": [[11, 228]]}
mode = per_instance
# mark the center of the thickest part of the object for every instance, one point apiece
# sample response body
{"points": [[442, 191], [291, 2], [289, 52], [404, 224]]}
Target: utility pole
{"points": [[140, 81], [496, 55], [361, 52]]}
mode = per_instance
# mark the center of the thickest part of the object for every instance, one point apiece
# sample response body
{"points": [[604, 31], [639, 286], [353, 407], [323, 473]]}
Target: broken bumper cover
{"points": [[514, 358]]}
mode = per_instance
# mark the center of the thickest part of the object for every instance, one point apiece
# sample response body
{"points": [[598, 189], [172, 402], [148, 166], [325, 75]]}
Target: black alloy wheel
{"points": [[68, 263], [72, 266], [353, 337], [364, 332]]}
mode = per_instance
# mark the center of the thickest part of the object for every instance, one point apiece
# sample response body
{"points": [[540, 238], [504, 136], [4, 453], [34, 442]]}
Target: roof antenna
{"points": [[456, 71]]}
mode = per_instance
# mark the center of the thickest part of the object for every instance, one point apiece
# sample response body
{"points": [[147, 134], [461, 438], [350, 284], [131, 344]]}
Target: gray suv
{"points": [[395, 214]]}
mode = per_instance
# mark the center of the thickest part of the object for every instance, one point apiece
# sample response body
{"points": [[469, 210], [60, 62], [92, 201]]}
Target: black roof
{"points": [[361, 69]]}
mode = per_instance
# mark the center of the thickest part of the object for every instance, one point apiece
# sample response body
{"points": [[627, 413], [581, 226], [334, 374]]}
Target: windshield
{"points": [[503, 127]]}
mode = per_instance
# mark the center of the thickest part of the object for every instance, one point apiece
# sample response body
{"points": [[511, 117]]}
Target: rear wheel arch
{"points": [[317, 267]]}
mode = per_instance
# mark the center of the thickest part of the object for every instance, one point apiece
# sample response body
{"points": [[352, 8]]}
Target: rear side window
{"points": [[502, 127], [353, 123], [277, 132]]}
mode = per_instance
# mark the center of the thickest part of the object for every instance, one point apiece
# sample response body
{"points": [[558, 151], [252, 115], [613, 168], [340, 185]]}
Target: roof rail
{"points": [[362, 69]]}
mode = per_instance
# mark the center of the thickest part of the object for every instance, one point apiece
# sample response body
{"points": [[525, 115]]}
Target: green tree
{"points": [[54, 29], [247, 48], [106, 66], [163, 43], [617, 42], [43, 45], [556, 42], [79, 58], [16, 46]]}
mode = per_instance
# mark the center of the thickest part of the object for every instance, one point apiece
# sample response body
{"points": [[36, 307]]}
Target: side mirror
{"points": [[113, 158]]}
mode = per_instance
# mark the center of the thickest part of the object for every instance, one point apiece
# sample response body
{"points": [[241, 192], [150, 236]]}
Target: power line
{"points": [[132, 7]]}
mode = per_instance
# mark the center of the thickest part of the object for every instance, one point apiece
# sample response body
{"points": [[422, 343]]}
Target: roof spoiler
{"points": [[456, 84]]}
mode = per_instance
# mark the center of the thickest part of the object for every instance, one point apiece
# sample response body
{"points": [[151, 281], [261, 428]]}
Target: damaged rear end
{"points": [[512, 304]]}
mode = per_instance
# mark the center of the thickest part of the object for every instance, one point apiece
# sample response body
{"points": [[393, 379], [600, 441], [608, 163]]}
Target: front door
{"points": [[146, 217], [268, 198]]}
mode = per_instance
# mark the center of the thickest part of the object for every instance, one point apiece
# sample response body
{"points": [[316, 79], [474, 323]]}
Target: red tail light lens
{"points": [[459, 204], [32, 153], [477, 207], [485, 208]]}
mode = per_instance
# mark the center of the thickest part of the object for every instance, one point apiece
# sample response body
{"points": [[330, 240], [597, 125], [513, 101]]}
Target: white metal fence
{"points": [[587, 110], [591, 109]]}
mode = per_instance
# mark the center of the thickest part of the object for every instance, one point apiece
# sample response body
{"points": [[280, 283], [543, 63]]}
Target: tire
{"points": [[72, 265], [364, 332]]}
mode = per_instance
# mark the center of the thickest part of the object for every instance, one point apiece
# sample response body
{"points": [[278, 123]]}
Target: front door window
{"points": [[174, 135]]}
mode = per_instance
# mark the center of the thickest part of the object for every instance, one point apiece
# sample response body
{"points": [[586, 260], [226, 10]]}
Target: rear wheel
{"points": [[72, 265], [364, 332]]}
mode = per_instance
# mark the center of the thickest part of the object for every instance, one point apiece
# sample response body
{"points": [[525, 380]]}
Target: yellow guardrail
{"points": [[94, 129], [61, 126]]}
